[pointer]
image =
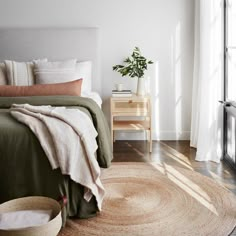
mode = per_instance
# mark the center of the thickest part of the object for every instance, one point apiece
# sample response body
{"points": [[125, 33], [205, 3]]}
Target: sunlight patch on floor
{"points": [[159, 167], [221, 182], [190, 187], [176, 153], [179, 160], [135, 149], [227, 172]]}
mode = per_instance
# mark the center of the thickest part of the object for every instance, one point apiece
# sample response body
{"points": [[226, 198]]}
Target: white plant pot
{"points": [[141, 91]]}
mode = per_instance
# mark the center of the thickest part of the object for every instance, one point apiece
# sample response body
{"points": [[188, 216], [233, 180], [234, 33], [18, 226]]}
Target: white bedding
{"points": [[93, 95]]}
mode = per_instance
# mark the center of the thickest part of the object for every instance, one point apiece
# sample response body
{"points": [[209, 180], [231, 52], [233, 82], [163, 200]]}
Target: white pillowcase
{"points": [[83, 71], [54, 72], [20, 73], [3, 76], [44, 72]]}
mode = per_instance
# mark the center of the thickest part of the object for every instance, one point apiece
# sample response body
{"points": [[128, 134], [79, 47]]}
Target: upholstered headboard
{"points": [[54, 44]]}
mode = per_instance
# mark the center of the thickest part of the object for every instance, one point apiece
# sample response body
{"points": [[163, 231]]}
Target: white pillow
{"points": [[3, 76], [83, 71], [20, 73], [54, 72]]}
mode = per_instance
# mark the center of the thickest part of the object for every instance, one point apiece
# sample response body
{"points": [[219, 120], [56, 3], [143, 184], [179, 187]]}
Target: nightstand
{"points": [[129, 108]]}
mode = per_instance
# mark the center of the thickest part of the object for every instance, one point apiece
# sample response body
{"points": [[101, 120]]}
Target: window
{"points": [[230, 45], [230, 82]]}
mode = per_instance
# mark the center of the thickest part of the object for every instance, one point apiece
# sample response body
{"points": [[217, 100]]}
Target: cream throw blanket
{"points": [[68, 138]]}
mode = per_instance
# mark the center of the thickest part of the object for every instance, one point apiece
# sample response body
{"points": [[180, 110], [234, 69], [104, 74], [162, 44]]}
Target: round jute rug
{"points": [[150, 199]]}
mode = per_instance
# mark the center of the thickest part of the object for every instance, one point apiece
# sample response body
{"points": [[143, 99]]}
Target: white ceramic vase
{"points": [[141, 87]]}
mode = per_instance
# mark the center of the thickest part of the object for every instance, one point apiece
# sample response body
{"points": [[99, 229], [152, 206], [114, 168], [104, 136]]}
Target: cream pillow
{"points": [[20, 73], [83, 70], [54, 72], [3, 76]]}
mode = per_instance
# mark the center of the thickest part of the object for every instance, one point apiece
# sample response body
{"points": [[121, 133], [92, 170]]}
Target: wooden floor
{"points": [[177, 153]]}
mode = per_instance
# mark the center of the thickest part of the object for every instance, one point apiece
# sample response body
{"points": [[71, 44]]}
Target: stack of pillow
{"points": [[44, 78]]}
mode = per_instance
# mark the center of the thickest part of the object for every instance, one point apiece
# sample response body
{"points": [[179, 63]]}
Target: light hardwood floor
{"points": [[177, 153]]}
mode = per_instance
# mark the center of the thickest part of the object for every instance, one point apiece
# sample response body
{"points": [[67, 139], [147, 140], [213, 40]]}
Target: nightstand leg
{"points": [[112, 138], [150, 141], [112, 132]]}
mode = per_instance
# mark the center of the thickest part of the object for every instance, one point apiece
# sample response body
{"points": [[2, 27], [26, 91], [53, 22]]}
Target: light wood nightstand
{"points": [[127, 108]]}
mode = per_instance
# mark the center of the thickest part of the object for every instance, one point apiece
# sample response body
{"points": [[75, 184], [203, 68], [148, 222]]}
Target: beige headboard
{"points": [[54, 44]]}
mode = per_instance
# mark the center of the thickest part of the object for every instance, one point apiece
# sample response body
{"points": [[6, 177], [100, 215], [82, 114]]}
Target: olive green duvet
{"points": [[24, 167]]}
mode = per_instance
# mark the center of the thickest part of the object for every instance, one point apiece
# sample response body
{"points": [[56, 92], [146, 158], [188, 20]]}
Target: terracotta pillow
{"points": [[72, 88]]}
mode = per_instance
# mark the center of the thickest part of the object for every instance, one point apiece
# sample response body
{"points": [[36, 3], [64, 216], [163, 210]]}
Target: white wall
{"points": [[163, 29]]}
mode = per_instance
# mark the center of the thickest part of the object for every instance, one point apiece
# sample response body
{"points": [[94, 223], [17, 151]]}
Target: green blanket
{"points": [[24, 167]]}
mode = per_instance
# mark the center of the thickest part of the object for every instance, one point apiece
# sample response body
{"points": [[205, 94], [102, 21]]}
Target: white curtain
{"points": [[207, 114]]}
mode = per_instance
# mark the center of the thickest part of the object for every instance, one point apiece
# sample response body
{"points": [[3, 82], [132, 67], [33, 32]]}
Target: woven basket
{"points": [[34, 203]]}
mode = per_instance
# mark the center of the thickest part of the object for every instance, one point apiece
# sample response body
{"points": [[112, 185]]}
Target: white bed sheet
{"points": [[93, 95]]}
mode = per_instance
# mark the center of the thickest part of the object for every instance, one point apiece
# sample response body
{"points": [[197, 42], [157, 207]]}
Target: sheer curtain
{"points": [[207, 114]]}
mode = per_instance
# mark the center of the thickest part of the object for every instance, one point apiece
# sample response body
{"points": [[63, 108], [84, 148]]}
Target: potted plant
{"points": [[134, 66]]}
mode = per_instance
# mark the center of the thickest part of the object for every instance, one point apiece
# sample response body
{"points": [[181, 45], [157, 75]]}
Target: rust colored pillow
{"points": [[72, 88]]}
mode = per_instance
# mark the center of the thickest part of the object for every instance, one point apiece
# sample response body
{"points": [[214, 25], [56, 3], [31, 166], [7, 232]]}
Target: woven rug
{"points": [[150, 199]]}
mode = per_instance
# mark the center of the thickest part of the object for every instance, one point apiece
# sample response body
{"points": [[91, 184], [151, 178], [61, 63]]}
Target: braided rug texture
{"points": [[158, 200]]}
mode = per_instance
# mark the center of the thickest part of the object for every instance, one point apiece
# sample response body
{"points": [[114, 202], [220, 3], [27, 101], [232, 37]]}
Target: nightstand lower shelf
{"points": [[131, 125]]}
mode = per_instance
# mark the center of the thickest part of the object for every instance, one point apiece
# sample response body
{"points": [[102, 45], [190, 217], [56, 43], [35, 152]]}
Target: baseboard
{"points": [[171, 135], [165, 135]]}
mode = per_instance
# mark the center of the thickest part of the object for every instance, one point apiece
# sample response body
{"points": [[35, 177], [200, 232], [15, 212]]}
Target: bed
{"points": [[24, 166]]}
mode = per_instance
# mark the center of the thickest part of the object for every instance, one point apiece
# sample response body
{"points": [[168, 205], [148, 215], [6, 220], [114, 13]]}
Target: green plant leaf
{"points": [[134, 66]]}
